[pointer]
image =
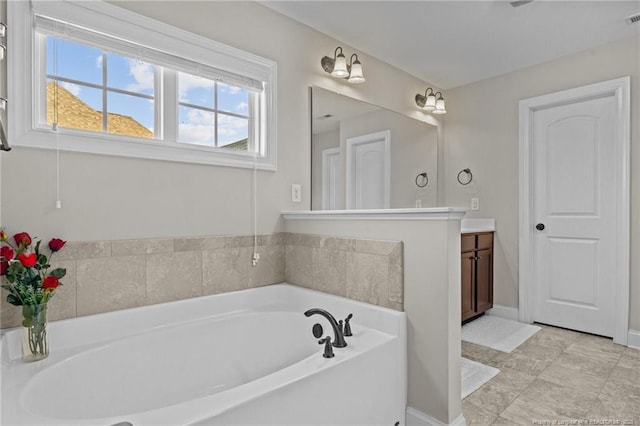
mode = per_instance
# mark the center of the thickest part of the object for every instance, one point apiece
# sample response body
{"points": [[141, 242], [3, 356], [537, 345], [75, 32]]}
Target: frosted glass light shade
{"points": [[430, 102], [356, 75], [340, 67], [440, 109]]}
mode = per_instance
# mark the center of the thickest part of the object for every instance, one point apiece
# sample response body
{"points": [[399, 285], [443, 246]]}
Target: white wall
{"points": [[484, 138], [109, 197]]}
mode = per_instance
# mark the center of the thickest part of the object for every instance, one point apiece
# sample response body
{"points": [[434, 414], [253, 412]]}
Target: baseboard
{"points": [[506, 312], [633, 340], [418, 418]]}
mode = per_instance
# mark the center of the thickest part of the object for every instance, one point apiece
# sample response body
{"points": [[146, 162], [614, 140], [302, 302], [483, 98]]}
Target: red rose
{"points": [[28, 260], [22, 238], [56, 244], [6, 252], [50, 282]]}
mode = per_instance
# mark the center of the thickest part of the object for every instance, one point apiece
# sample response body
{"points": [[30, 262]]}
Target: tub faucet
{"points": [[338, 339]]}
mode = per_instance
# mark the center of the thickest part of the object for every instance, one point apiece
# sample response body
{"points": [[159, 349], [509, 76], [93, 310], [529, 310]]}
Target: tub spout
{"points": [[338, 339]]}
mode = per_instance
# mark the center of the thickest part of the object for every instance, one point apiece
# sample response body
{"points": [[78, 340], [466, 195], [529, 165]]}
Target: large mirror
{"points": [[366, 157]]}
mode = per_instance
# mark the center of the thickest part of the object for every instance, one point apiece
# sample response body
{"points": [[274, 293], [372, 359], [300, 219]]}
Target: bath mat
{"points": [[497, 333], [475, 375]]}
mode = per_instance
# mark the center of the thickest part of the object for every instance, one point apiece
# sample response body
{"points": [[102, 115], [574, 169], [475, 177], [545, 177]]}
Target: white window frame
{"points": [[26, 98]]}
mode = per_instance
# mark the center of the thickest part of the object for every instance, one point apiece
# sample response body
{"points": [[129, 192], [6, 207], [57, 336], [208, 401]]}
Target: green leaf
{"points": [[58, 273], [13, 300], [42, 259]]}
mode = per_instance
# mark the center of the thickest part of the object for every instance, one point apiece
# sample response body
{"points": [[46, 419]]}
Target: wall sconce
{"points": [[3, 29], [338, 67], [3, 104], [432, 102], [3, 51]]}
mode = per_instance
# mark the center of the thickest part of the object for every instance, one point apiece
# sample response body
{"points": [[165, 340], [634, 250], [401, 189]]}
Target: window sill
{"points": [[122, 146]]}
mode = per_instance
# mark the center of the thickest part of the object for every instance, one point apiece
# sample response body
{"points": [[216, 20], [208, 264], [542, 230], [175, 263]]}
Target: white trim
{"points": [[437, 213], [506, 312], [121, 23], [418, 418], [361, 140], [620, 89], [633, 340], [326, 153]]}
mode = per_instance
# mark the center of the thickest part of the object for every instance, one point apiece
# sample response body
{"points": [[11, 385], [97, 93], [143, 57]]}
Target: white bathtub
{"points": [[241, 358]]}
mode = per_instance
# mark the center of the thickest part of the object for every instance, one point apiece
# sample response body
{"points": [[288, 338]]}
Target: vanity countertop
{"points": [[477, 225]]}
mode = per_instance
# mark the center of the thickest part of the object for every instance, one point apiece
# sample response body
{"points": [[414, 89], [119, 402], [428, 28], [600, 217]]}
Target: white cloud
{"points": [[99, 62], [233, 90], [187, 82], [197, 127], [74, 89], [242, 106], [142, 73], [231, 128]]}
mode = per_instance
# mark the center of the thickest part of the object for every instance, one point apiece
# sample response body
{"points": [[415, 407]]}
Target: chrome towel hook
{"points": [[466, 180]]}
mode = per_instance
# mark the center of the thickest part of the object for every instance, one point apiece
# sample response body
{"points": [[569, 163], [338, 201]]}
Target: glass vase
{"points": [[35, 343]]}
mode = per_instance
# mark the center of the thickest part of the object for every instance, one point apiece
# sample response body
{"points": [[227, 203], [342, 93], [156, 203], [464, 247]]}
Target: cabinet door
{"points": [[468, 287], [484, 280]]}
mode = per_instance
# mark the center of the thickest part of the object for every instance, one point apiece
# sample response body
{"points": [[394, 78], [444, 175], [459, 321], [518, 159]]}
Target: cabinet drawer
{"points": [[485, 241], [468, 243]]}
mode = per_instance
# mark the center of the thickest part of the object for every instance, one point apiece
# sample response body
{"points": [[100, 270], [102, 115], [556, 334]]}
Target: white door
{"points": [[332, 182], [574, 207], [368, 171]]}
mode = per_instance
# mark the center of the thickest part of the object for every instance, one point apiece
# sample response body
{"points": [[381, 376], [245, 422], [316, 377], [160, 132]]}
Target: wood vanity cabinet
{"points": [[477, 274]]}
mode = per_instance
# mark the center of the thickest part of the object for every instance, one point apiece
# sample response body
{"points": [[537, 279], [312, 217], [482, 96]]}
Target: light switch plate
{"points": [[475, 204], [296, 193]]}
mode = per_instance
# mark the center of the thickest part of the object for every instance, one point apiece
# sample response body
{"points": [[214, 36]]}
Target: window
{"points": [[214, 113], [94, 90], [122, 84]]}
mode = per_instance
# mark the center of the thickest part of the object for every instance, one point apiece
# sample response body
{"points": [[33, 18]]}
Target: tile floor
{"points": [[557, 377]]}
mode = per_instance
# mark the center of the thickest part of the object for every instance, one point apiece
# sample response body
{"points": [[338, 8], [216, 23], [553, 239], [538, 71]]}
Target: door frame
{"points": [[326, 153], [620, 89], [351, 143]]}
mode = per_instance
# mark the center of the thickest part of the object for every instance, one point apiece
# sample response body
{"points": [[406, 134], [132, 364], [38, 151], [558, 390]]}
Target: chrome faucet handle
{"points": [[328, 348], [347, 326]]}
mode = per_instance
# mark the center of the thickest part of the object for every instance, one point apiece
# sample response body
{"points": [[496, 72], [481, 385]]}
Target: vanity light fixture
{"points": [[3, 50], [338, 67], [431, 101], [3, 104], [3, 29]]}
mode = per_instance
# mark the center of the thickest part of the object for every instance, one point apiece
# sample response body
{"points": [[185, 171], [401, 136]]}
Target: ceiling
{"points": [[453, 43]]}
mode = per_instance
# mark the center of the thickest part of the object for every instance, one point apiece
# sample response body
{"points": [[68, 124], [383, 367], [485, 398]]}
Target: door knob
{"points": [[540, 227]]}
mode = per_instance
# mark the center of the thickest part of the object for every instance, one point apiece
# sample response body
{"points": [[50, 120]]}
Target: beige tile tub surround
{"points": [[366, 270], [111, 275]]}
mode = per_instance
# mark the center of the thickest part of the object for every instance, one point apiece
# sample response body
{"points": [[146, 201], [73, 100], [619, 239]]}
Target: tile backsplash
{"points": [[111, 275]]}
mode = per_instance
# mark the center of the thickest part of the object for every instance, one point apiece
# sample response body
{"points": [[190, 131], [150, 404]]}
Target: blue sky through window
{"points": [[85, 64], [197, 125]]}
